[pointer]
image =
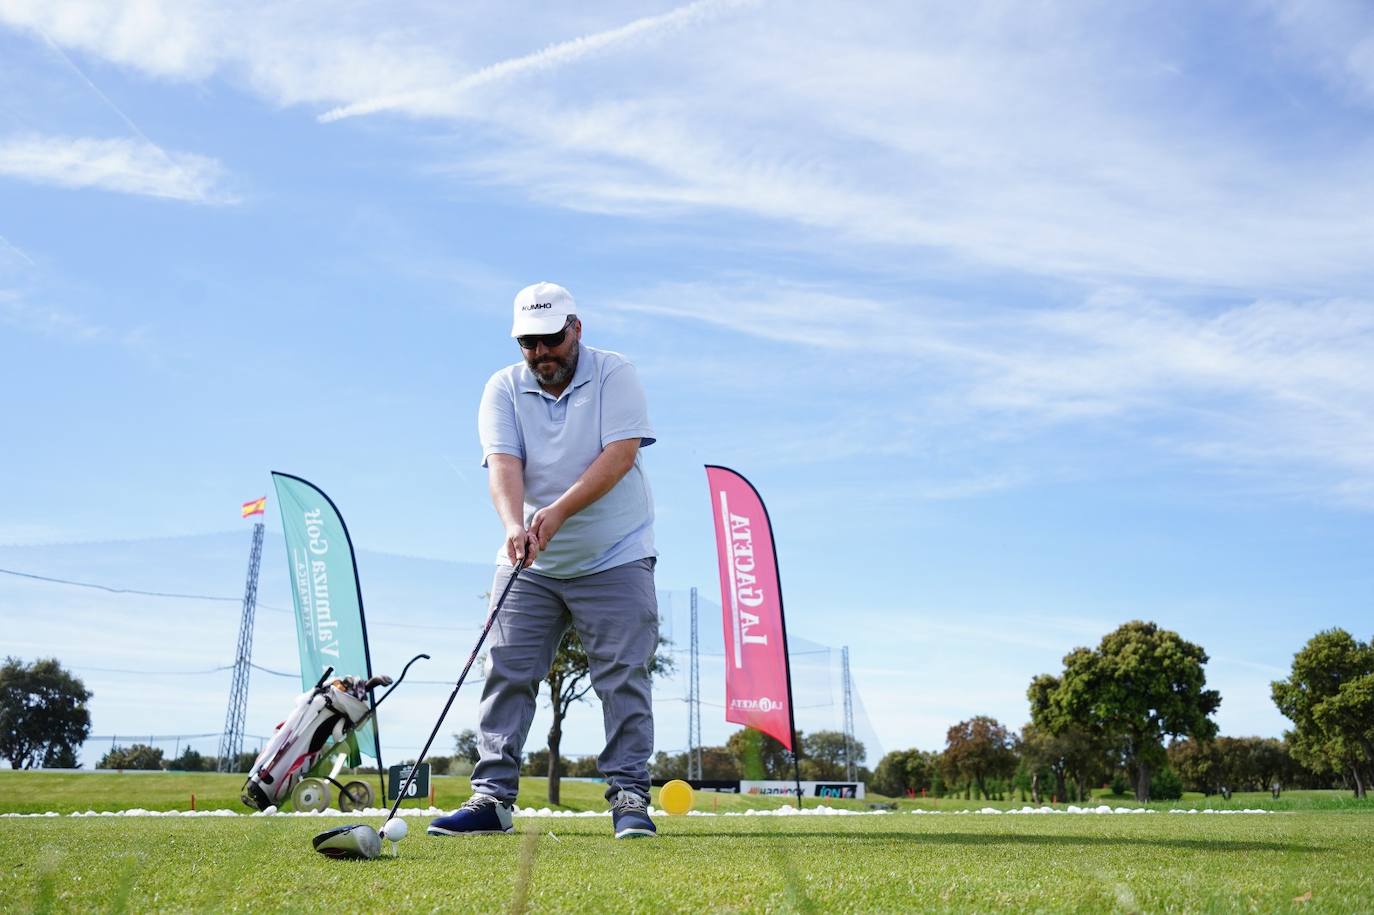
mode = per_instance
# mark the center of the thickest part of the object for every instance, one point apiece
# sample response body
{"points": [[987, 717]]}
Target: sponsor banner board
{"points": [[718, 785], [822, 789]]}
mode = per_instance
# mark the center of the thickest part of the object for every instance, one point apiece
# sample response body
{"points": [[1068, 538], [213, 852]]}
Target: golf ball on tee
{"points": [[395, 829]]}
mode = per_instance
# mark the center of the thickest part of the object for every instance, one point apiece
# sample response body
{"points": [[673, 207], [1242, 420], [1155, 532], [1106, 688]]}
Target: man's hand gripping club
{"points": [[507, 480]]}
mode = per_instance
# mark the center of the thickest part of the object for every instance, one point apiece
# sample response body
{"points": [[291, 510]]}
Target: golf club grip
{"points": [[491, 618]]}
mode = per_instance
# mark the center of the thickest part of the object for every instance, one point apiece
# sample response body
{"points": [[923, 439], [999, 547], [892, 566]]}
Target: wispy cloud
{"points": [[1335, 37], [1279, 387], [917, 131], [166, 39], [58, 324], [1126, 154], [445, 100], [121, 165]]}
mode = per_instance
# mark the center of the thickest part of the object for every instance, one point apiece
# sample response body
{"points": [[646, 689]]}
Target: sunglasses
{"points": [[532, 341]]}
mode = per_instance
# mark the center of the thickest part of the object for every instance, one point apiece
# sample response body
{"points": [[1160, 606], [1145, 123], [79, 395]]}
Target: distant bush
{"points": [[1120, 787], [189, 761], [537, 763], [1165, 785], [584, 767], [665, 765], [904, 771], [138, 756]]}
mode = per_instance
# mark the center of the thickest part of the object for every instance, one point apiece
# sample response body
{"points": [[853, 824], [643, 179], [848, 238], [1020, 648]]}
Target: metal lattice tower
{"points": [[694, 769], [231, 740], [850, 767]]}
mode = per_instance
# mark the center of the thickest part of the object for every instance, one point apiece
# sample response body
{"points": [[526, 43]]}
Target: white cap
{"points": [[542, 309]]}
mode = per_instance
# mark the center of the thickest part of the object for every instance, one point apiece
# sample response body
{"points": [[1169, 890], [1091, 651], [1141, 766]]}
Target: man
{"points": [[561, 432]]}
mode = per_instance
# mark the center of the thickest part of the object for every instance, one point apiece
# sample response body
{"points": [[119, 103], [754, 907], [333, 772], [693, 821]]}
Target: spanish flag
{"points": [[255, 507]]}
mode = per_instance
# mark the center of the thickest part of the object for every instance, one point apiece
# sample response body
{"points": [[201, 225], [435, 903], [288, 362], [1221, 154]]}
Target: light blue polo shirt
{"points": [[558, 439]]}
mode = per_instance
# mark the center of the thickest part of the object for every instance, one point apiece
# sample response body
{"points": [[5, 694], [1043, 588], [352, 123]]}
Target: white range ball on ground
{"points": [[395, 829], [270, 809]]}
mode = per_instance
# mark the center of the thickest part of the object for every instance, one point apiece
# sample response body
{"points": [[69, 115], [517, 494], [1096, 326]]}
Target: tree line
{"points": [[1135, 712], [751, 754], [145, 756], [983, 759]]}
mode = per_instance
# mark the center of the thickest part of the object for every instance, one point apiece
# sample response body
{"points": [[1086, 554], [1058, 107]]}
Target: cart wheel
{"points": [[310, 794], [355, 796]]}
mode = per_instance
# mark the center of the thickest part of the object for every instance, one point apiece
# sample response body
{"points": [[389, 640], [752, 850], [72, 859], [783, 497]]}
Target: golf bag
{"points": [[331, 709]]}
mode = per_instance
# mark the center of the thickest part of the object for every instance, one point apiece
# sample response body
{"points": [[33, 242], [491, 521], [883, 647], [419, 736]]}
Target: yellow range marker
{"points": [[675, 797]]}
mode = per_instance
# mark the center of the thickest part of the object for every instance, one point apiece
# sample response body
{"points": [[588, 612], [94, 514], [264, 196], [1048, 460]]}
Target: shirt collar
{"points": [[583, 374]]}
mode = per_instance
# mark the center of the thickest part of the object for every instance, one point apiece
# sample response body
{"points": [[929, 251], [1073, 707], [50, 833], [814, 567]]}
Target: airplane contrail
{"points": [[128, 121], [554, 55], [11, 246]]}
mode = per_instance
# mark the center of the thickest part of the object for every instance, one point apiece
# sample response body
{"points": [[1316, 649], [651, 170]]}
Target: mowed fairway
{"points": [[1315, 843], [896, 862]]}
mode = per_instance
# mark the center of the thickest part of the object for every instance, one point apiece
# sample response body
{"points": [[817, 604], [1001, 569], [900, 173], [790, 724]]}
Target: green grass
{"points": [[66, 792], [896, 862], [39, 792], [1253, 800]]}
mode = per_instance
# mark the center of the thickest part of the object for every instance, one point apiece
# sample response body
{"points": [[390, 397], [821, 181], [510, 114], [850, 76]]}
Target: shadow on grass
{"points": [[959, 838]]}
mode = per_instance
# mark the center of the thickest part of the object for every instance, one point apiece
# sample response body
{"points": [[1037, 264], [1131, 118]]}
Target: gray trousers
{"points": [[615, 613]]}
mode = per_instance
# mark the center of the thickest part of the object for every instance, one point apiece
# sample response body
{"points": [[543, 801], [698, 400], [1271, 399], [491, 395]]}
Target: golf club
{"points": [[361, 841]]}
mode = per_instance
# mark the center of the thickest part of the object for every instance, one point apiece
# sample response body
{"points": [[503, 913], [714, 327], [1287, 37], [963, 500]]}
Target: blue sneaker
{"points": [[481, 815], [630, 816]]}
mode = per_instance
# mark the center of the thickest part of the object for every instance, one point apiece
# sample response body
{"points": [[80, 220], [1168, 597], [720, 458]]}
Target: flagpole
{"points": [[787, 666], [367, 650], [786, 653]]}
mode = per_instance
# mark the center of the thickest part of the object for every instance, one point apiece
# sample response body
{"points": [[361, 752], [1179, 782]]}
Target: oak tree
{"points": [[43, 714], [1329, 697]]}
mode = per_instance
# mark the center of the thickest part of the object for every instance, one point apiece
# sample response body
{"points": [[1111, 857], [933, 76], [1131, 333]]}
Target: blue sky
{"points": [[1026, 320]]}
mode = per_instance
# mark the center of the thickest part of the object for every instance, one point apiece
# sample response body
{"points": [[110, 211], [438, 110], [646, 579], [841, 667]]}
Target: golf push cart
{"points": [[310, 748]]}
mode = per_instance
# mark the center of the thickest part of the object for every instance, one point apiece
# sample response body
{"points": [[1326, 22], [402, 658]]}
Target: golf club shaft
{"points": [[491, 618]]}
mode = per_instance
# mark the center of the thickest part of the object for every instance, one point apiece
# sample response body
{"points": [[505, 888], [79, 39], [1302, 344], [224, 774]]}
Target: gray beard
{"points": [[559, 374]]}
